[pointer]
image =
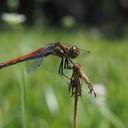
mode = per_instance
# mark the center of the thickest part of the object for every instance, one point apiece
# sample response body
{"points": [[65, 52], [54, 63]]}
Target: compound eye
{"points": [[73, 52], [74, 47]]}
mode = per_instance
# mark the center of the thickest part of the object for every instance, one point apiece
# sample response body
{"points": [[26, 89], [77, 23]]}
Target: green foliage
{"points": [[24, 98]]}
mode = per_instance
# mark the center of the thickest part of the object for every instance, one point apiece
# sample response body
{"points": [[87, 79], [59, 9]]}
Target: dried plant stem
{"points": [[75, 109], [75, 87]]}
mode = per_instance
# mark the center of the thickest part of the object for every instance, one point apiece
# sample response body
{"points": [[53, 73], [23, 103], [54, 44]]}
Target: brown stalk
{"points": [[75, 87]]}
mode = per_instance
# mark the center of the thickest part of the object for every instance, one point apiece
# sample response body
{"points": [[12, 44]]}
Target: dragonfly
{"points": [[66, 53]]}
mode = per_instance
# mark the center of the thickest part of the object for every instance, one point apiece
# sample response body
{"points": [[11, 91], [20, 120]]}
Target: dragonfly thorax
{"points": [[73, 52]]}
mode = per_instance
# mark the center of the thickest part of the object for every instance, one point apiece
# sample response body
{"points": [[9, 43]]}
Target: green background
{"points": [[23, 97]]}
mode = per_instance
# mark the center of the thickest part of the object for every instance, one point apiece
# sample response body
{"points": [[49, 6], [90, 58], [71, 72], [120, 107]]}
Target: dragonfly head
{"points": [[73, 52]]}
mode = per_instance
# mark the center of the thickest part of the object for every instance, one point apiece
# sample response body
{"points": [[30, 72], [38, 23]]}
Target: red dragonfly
{"points": [[66, 53]]}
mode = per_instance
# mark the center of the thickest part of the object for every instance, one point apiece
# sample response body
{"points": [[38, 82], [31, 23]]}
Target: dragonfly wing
{"points": [[32, 65], [84, 52]]}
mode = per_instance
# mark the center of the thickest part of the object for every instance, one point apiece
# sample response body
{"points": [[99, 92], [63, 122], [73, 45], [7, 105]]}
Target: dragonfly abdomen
{"points": [[32, 55]]}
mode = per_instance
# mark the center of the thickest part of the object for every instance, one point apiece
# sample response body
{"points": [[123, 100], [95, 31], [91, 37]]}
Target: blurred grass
{"points": [[23, 97]]}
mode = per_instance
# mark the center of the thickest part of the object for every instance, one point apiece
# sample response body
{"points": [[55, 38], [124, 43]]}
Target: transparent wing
{"points": [[32, 65], [84, 52]]}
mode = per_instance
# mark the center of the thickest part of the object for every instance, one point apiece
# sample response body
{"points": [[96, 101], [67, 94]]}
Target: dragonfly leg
{"points": [[61, 64], [67, 63], [70, 60], [61, 72]]}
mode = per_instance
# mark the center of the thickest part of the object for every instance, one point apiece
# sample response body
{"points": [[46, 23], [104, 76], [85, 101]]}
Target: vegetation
{"points": [[41, 99]]}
